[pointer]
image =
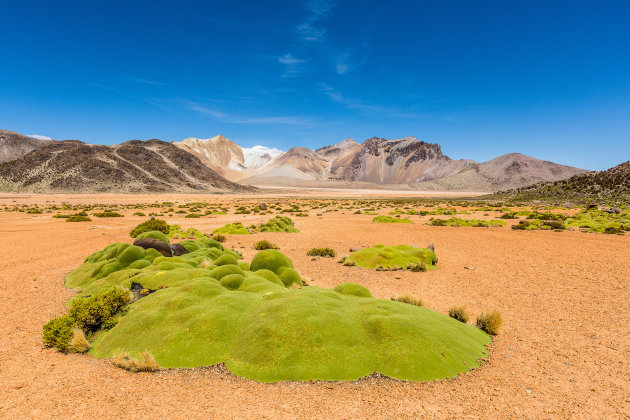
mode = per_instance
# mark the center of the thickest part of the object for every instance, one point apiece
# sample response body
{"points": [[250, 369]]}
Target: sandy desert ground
{"points": [[563, 352]]}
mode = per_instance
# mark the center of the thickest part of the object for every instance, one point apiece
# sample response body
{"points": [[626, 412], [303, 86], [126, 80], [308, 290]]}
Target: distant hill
{"points": [[610, 186], [132, 166], [508, 171], [14, 145]]}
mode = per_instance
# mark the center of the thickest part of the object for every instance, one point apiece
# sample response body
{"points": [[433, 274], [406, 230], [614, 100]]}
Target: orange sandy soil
{"points": [[563, 352]]}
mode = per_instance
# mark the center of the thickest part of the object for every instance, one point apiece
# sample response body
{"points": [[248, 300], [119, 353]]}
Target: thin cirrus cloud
{"points": [[311, 30], [349, 103], [293, 65], [243, 119]]}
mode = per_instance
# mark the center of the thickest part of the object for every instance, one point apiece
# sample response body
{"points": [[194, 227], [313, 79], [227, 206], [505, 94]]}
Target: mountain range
{"points": [[218, 163]]}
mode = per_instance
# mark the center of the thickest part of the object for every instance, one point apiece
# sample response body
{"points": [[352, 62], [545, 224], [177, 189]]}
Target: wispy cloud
{"points": [[39, 137], [350, 103], [311, 29], [245, 119], [292, 64], [142, 81]]}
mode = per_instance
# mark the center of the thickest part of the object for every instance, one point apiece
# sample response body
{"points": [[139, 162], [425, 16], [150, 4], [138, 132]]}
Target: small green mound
{"points": [[149, 225], [231, 229], [154, 234], [353, 289], [277, 224], [456, 221], [176, 232], [393, 257], [390, 219], [191, 311], [264, 244], [598, 221]]}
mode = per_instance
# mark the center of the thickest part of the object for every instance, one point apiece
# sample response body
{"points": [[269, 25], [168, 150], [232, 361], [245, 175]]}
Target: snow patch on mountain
{"points": [[258, 156]]}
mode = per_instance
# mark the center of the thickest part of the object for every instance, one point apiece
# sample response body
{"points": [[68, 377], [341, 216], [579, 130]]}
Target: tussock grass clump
{"points": [[219, 238], [58, 332], [459, 313], [456, 221], [79, 343], [408, 299], [490, 322], [108, 214], [146, 363], [321, 252], [264, 244], [148, 226]]}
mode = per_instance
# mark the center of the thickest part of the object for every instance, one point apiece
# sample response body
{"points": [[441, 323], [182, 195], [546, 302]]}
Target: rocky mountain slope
{"points": [[132, 166], [400, 161], [14, 145], [610, 186], [512, 170]]}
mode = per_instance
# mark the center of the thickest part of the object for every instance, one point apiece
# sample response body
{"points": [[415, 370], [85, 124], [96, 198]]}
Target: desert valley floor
{"points": [[563, 351]]}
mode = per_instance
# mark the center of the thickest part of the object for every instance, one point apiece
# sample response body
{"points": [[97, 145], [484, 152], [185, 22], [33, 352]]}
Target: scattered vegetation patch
{"points": [[321, 252], [277, 224], [399, 257], [108, 214], [456, 221], [538, 224], [146, 362], [78, 218], [390, 219]]}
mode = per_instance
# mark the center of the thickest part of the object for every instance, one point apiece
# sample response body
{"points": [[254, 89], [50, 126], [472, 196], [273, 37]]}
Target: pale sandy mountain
{"points": [[400, 161], [14, 145], [307, 162], [132, 166], [512, 170], [219, 153]]}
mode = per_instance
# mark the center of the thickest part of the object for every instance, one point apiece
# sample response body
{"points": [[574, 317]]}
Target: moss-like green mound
{"points": [[277, 224], [598, 221], [231, 229], [176, 232], [200, 309], [390, 219], [392, 257]]}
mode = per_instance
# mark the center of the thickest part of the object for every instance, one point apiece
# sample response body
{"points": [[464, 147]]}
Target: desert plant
{"points": [[459, 313], [264, 244], [416, 268], [90, 313], [108, 214], [78, 218], [490, 322], [321, 252], [58, 332], [219, 238], [148, 226], [409, 299], [78, 343], [146, 363]]}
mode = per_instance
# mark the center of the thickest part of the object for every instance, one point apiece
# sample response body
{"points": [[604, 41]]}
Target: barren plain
{"points": [[563, 351]]}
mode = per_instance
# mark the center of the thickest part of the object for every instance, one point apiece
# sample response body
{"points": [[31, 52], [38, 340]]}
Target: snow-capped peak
{"points": [[258, 156]]}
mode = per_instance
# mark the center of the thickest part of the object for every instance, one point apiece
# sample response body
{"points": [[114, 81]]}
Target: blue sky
{"points": [[550, 79]]}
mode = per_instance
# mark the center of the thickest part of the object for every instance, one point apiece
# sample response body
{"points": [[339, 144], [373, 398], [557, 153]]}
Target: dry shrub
{"points": [[205, 263], [145, 364], [411, 300], [78, 343], [490, 322], [459, 313]]}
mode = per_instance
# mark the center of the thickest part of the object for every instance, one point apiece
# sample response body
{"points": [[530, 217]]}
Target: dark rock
{"points": [[160, 246], [178, 249]]}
